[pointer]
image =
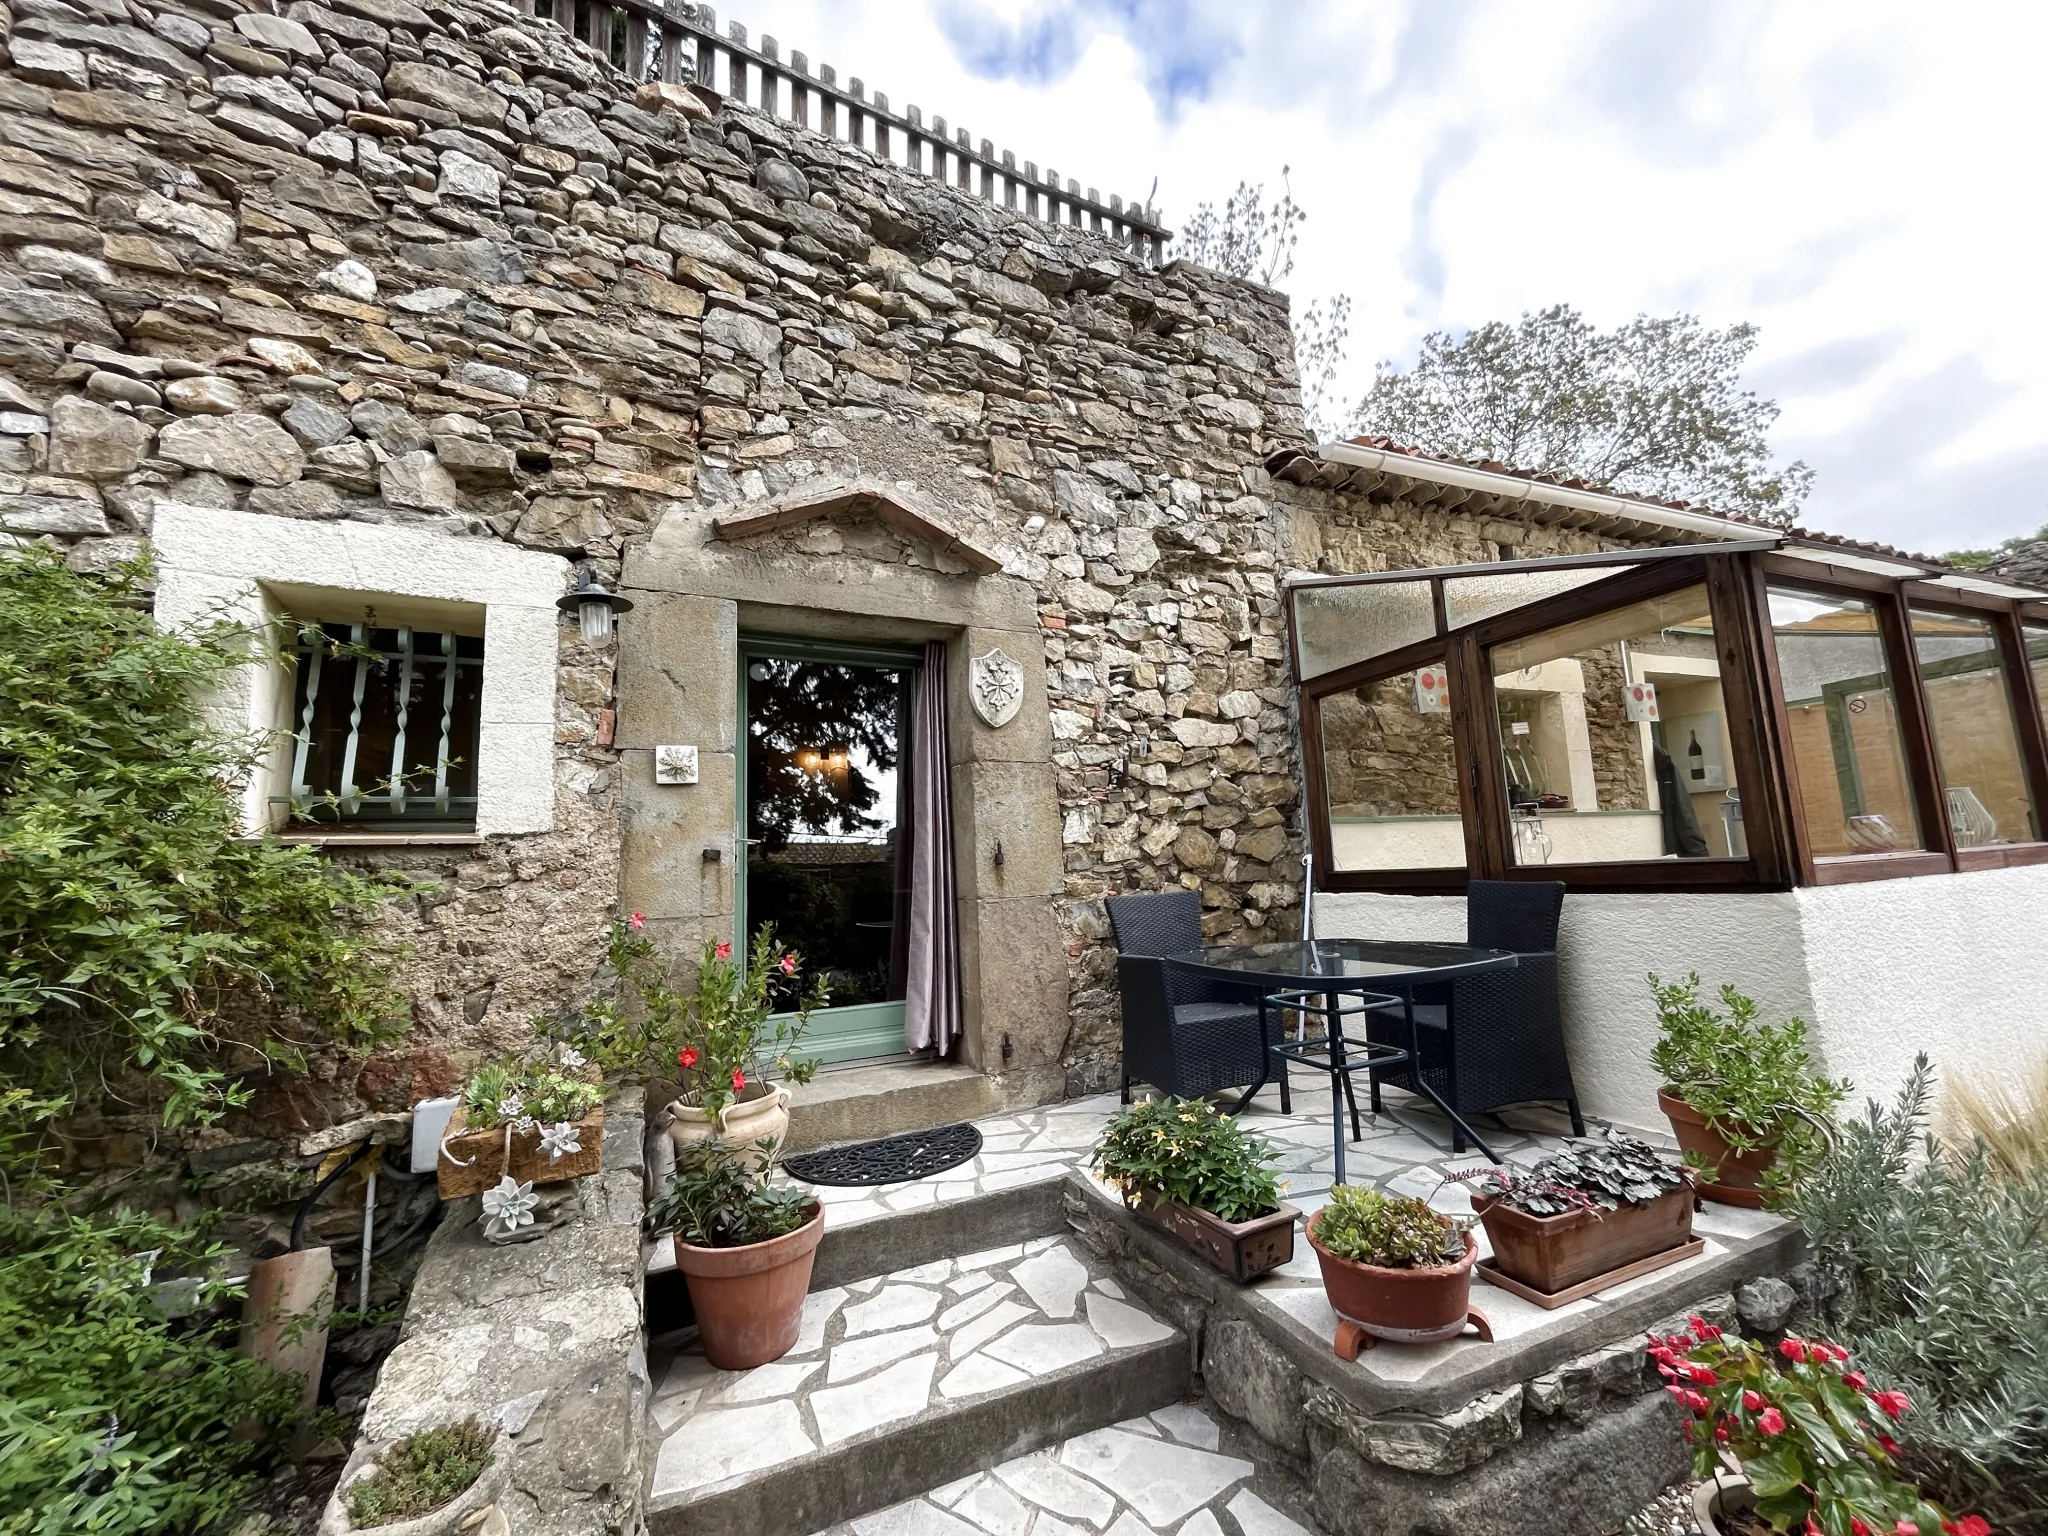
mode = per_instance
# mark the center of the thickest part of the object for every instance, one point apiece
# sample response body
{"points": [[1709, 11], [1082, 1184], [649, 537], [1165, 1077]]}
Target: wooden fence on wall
{"points": [[679, 42]]}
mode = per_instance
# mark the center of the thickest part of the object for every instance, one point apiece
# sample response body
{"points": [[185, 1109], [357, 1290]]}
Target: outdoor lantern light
{"points": [[594, 605]]}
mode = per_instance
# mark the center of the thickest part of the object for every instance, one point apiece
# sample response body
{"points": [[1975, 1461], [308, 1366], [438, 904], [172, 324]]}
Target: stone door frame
{"points": [[678, 684]]}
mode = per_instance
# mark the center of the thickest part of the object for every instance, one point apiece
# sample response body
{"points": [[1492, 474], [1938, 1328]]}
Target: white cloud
{"points": [[1859, 181]]}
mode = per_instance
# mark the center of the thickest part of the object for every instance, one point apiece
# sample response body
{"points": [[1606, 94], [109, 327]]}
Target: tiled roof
{"points": [[2034, 574]]}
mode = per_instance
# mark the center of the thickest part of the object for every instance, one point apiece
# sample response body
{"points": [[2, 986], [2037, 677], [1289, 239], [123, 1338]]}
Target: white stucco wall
{"points": [[1956, 965], [215, 563]]}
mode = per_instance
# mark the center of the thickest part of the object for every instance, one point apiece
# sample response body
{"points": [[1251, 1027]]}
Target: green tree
{"points": [[1654, 407], [145, 946]]}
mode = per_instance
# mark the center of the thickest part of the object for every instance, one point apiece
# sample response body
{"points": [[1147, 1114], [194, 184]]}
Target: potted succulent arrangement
{"points": [[1196, 1173], [430, 1483], [532, 1119], [725, 1043], [745, 1249], [1742, 1096], [1593, 1214], [1800, 1444], [1394, 1269]]}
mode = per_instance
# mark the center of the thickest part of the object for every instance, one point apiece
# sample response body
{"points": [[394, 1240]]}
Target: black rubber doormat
{"points": [[893, 1159]]}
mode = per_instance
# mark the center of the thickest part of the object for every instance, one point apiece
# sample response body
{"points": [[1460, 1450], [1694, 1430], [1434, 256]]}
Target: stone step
{"points": [[904, 1381], [888, 1098], [1168, 1472]]}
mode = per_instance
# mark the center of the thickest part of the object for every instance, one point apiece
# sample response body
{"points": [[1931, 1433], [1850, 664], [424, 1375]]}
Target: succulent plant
{"points": [[1389, 1231]]}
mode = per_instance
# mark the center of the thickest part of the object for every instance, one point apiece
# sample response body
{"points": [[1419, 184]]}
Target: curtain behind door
{"points": [[931, 1001]]}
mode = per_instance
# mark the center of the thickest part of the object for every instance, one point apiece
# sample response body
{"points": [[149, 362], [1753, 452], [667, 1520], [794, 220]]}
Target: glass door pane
{"points": [[1969, 707], [827, 815], [1391, 775], [1843, 712]]}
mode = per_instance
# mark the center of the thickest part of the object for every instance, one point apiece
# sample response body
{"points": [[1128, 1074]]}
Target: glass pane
{"points": [[2037, 659], [1614, 738], [1468, 599], [1975, 741], [827, 794], [1844, 718], [1336, 626], [1391, 774]]}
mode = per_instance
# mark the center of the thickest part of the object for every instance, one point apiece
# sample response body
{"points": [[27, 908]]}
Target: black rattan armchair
{"points": [[1497, 1039], [1183, 1035]]}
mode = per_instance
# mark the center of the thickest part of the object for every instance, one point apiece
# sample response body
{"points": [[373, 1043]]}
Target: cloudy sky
{"points": [[1861, 181]]}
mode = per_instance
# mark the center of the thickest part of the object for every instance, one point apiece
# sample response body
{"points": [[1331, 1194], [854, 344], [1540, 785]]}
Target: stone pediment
{"points": [[888, 505]]}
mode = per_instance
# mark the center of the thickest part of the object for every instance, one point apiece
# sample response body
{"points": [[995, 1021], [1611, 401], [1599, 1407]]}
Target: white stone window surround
{"points": [[214, 563]]}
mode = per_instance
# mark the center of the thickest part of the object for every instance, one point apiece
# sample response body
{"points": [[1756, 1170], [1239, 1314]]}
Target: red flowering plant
{"points": [[1812, 1436], [741, 1022]]}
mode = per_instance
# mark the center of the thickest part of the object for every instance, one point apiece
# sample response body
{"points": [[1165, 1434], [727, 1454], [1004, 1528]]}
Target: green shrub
{"points": [[1391, 1231], [1941, 1263], [710, 1201], [1183, 1149], [1754, 1082], [142, 935], [422, 1472], [112, 1419]]}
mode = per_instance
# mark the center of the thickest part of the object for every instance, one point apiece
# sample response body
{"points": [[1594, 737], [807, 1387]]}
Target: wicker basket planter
{"points": [[473, 1161], [1243, 1250]]}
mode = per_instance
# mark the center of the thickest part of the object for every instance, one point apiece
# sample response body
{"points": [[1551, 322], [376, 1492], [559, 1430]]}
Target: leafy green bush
{"points": [[711, 1201], [1183, 1149], [422, 1472], [1754, 1082], [143, 937], [112, 1419], [1941, 1260], [1390, 1231]]}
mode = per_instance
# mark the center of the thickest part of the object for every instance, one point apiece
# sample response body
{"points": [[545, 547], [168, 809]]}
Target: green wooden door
{"points": [[823, 814]]}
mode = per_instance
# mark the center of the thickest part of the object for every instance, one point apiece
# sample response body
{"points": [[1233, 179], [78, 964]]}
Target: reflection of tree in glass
{"points": [[832, 711]]}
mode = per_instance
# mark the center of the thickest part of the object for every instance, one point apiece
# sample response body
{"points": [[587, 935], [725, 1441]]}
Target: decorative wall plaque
{"points": [[675, 765], [996, 685]]}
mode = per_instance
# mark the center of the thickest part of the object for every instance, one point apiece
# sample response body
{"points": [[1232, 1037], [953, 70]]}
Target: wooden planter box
{"points": [[483, 1153], [1554, 1254], [1243, 1250]]}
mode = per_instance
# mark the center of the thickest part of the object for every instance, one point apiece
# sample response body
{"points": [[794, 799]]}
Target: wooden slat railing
{"points": [[676, 42]]}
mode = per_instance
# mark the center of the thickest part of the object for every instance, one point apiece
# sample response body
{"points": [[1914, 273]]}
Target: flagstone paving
{"points": [[878, 1352], [1144, 1477]]}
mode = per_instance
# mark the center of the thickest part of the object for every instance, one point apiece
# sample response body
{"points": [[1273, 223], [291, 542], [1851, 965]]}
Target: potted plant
{"points": [[1199, 1175], [1582, 1214], [721, 1041], [1394, 1268], [432, 1482], [745, 1249], [1742, 1096], [1800, 1444], [534, 1119]]}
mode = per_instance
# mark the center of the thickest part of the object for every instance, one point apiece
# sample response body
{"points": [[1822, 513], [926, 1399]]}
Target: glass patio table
{"points": [[1317, 976]]}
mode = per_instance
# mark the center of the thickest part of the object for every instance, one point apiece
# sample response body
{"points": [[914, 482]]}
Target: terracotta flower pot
{"points": [[1402, 1306], [749, 1301], [1554, 1253], [761, 1110], [1737, 1175]]}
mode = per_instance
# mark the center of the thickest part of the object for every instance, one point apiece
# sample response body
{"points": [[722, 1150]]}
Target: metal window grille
{"points": [[385, 725]]}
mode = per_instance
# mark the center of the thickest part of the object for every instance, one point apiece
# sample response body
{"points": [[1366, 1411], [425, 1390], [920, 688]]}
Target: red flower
{"points": [[1794, 1350], [1894, 1403], [739, 1080], [1891, 1446], [1905, 1528], [723, 951], [1753, 1401], [1857, 1527], [1701, 1376], [1771, 1422], [1721, 1433], [1812, 1529], [788, 964], [637, 921], [1969, 1525], [1856, 1379], [1698, 1404], [687, 1056], [1703, 1328]]}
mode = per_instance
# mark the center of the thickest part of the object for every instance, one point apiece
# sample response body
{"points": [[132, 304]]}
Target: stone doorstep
{"points": [[1427, 1381], [1034, 1342], [887, 1099]]}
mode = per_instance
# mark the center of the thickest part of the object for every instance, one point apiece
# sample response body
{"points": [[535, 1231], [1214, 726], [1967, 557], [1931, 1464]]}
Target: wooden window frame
{"points": [[1737, 578]]}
